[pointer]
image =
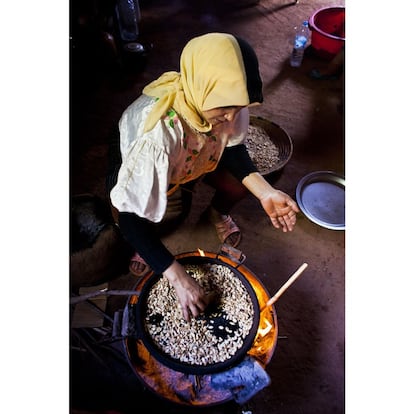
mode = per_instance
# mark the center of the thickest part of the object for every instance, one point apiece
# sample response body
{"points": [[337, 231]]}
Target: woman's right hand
{"points": [[191, 295]]}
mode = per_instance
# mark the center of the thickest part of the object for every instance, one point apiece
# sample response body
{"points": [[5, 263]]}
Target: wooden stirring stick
{"points": [[280, 292]]}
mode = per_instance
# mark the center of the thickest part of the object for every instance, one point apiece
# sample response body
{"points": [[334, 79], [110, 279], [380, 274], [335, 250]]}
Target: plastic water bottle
{"points": [[128, 15], [300, 41]]}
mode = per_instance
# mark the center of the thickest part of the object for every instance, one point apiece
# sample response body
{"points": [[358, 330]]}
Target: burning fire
{"points": [[265, 340], [264, 331]]}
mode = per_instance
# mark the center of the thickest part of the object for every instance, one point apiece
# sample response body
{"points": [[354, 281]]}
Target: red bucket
{"points": [[327, 27]]}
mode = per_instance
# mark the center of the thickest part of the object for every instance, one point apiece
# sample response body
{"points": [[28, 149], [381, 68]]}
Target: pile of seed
{"points": [[262, 150], [211, 338]]}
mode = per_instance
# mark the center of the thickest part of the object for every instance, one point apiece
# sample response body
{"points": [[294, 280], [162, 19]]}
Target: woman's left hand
{"points": [[281, 209]]}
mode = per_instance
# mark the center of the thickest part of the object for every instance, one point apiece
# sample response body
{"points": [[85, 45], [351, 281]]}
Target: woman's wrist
{"points": [[172, 272], [257, 185]]}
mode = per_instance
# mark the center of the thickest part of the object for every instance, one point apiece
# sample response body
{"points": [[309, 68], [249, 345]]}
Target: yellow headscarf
{"points": [[212, 75]]}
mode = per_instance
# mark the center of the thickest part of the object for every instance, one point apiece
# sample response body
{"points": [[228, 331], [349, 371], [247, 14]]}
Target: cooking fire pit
{"points": [[191, 383]]}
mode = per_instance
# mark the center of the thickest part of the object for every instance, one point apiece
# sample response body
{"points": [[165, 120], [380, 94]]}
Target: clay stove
{"points": [[198, 390]]}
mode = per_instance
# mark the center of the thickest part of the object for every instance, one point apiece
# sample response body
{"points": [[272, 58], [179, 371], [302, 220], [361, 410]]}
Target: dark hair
{"points": [[251, 66]]}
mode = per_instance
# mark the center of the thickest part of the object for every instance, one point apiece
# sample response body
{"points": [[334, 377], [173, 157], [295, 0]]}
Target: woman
{"points": [[186, 126]]}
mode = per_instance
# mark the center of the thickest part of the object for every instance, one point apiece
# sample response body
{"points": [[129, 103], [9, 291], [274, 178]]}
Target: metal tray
{"points": [[321, 197]]}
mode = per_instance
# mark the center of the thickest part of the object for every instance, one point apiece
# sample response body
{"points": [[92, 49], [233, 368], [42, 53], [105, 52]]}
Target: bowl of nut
{"points": [[269, 146], [214, 341]]}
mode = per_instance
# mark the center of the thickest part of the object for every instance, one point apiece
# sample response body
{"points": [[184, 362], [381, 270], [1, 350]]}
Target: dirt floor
{"points": [[307, 369]]}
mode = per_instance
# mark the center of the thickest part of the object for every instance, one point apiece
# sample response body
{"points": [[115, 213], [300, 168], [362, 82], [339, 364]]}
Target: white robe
{"points": [[171, 153]]}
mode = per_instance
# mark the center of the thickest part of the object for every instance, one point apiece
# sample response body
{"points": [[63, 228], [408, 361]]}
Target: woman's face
{"points": [[217, 116]]}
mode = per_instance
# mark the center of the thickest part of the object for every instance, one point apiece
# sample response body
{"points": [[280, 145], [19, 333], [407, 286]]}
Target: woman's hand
{"points": [[191, 295], [280, 208]]}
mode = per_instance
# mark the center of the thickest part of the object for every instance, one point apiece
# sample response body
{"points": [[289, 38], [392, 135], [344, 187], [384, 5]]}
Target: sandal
{"points": [[225, 229], [138, 266]]}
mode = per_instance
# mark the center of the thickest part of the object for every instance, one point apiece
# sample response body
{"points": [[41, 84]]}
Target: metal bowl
{"points": [[280, 139], [196, 369]]}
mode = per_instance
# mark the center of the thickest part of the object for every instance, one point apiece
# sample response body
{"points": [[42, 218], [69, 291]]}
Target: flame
{"points": [[264, 331], [266, 337], [201, 252]]}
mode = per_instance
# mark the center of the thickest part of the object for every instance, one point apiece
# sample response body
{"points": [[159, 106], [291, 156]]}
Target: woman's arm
{"points": [[142, 235], [278, 206]]}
